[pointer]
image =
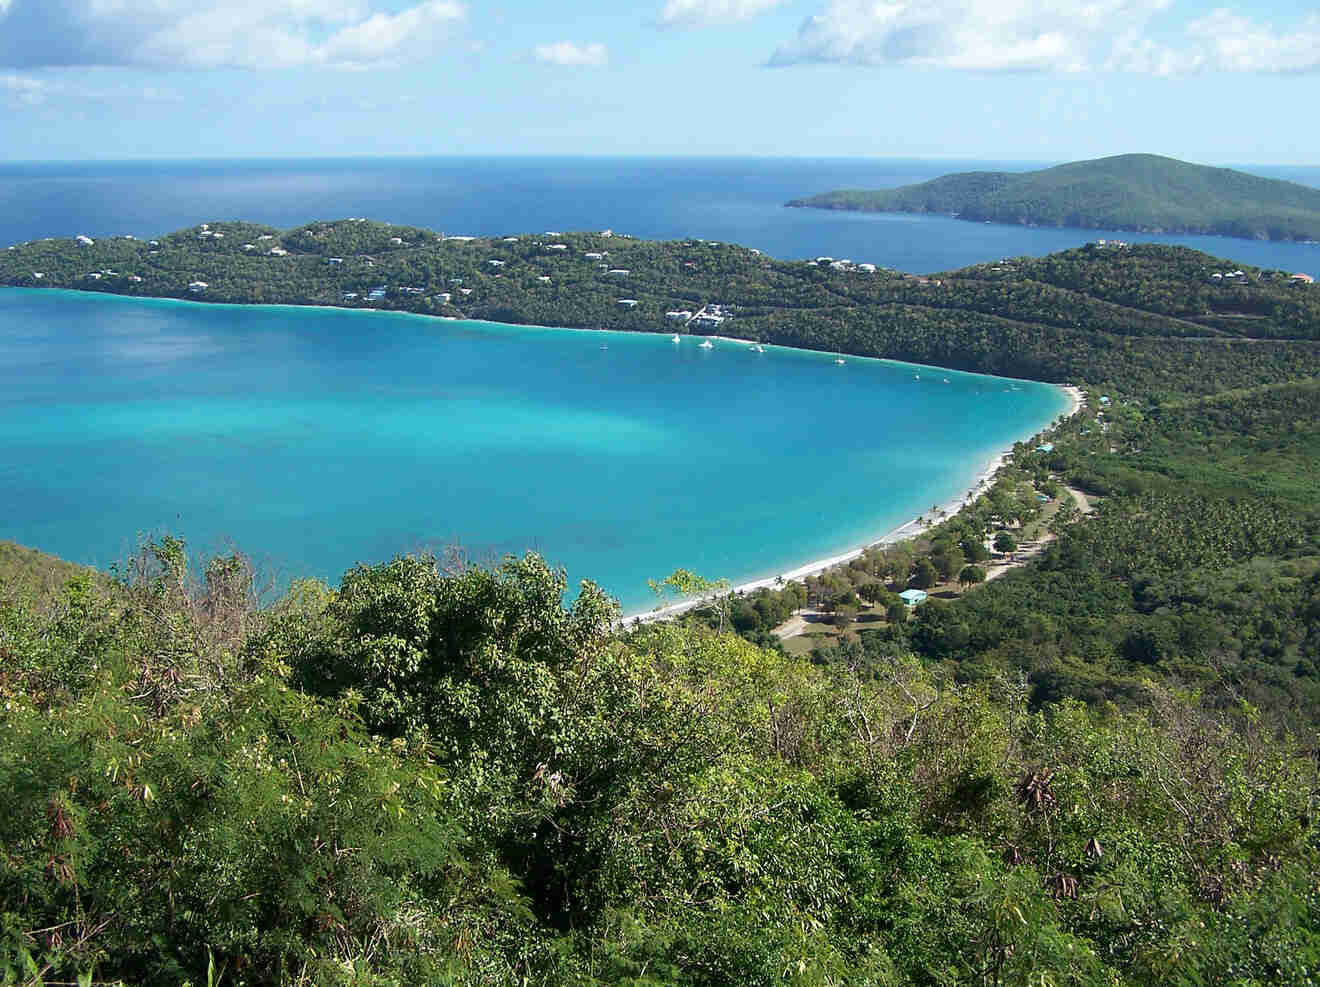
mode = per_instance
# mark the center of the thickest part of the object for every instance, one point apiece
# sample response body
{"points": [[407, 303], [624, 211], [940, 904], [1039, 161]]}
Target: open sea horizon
{"points": [[735, 200]]}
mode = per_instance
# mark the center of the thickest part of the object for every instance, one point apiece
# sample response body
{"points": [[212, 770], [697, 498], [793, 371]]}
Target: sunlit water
{"points": [[314, 439], [738, 200]]}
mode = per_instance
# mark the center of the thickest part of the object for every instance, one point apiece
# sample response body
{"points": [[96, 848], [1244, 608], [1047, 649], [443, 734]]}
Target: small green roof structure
{"points": [[913, 596]]}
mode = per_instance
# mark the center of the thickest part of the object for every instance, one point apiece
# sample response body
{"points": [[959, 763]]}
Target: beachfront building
{"points": [[913, 597], [197, 287], [85, 241], [628, 302], [680, 316], [1300, 278]]}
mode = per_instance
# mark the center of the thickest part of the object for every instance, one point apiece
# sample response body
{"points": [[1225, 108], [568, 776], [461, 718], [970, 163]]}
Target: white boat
{"points": [[707, 345], [758, 348], [840, 360], [675, 339], [916, 376]]}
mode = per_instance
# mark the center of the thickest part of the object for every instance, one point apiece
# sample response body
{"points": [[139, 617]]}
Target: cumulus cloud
{"points": [[1235, 44], [1044, 35], [571, 53], [986, 35], [220, 33], [713, 11]]}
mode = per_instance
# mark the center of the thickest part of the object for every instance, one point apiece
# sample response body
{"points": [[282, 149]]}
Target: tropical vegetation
{"points": [[1142, 192], [1098, 767]]}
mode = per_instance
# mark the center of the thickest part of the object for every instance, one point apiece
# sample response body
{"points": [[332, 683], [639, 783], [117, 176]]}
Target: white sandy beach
{"points": [[904, 531]]}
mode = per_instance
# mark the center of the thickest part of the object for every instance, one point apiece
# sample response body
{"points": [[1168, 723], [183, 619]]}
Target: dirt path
{"points": [[1083, 502], [790, 628]]}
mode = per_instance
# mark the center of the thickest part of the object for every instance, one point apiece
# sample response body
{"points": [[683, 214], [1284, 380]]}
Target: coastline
{"points": [[904, 531]]}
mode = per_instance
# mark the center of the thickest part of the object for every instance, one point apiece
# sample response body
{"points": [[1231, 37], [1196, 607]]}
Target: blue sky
{"points": [[1010, 79]]}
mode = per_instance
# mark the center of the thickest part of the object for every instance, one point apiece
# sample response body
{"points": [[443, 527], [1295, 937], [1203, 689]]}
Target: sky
{"points": [[1046, 80]]}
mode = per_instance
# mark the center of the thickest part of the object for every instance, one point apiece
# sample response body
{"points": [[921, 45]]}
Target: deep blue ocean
{"points": [[738, 200], [313, 439]]}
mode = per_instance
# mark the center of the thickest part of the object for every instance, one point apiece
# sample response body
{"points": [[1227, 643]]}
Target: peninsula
{"points": [[1099, 768], [1102, 313], [1142, 192]]}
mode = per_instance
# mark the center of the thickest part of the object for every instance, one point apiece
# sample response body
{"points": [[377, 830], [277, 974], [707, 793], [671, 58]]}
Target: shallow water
{"points": [[314, 439]]}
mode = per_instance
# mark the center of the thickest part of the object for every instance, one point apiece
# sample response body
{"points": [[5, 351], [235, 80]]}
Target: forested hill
{"points": [[1143, 192], [1109, 315], [1099, 769]]}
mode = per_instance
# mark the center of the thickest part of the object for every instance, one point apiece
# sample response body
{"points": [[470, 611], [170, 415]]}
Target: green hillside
{"points": [[1099, 769], [1105, 315], [1142, 192]]}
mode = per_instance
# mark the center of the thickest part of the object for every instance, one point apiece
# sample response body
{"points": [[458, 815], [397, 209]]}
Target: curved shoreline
{"points": [[904, 531], [900, 533], [85, 293]]}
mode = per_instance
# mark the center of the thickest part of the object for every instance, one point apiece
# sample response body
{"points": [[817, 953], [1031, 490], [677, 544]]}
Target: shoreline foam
{"points": [[904, 531]]}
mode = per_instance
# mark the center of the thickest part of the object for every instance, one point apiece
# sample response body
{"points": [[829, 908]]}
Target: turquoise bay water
{"points": [[313, 439]]}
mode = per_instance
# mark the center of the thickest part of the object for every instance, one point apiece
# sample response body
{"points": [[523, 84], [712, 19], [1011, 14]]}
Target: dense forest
{"points": [[1143, 192], [1098, 768], [1150, 319]]}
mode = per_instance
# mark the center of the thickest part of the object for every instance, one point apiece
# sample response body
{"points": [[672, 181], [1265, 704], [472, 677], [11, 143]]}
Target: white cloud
{"points": [[572, 53], [713, 11], [24, 89], [1044, 35], [985, 35], [1235, 44], [221, 33], [412, 34]]}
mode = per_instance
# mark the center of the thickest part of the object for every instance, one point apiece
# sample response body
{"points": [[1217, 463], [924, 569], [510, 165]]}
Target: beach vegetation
{"points": [[1096, 768], [440, 774]]}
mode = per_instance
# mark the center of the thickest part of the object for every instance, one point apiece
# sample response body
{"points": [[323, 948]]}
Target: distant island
{"points": [[1106, 312], [1145, 193]]}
